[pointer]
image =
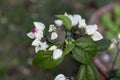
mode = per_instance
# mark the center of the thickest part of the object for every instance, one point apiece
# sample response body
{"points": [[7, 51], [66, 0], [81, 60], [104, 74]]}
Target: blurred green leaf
{"points": [[87, 72], [68, 48], [117, 75], [117, 11], [66, 21], [103, 45], [85, 49], [45, 60]]}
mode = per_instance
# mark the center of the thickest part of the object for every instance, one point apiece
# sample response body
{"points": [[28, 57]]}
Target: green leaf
{"points": [[116, 74], [68, 48], [84, 50], [87, 72], [66, 21], [44, 59], [103, 45]]}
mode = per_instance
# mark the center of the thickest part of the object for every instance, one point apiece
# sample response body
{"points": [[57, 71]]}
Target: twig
{"points": [[115, 57]]}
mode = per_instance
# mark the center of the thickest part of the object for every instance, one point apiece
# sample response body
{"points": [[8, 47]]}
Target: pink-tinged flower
{"points": [[37, 33]]}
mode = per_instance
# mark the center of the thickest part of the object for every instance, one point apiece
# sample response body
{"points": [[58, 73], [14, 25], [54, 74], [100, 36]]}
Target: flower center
{"points": [[33, 30]]}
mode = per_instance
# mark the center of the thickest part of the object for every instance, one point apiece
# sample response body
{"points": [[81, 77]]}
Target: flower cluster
{"points": [[89, 29], [38, 34], [41, 42]]}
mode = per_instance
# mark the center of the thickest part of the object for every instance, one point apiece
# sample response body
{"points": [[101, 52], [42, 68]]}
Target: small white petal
{"points": [[60, 77], [54, 35], [96, 36], [78, 17], [39, 26], [37, 48], [31, 35], [118, 36], [74, 19], [36, 42], [112, 45], [65, 14], [43, 45], [82, 23], [53, 48], [58, 22], [57, 53], [90, 29], [52, 28], [39, 35]]}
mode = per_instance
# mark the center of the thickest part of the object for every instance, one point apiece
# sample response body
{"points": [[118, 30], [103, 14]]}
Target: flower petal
{"points": [[54, 35], [74, 19], [96, 36], [60, 77], [39, 26], [82, 23], [43, 45], [36, 42], [37, 48], [53, 48], [78, 17], [31, 35], [39, 35], [90, 29], [58, 22], [52, 28], [57, 53], [118, 36]]}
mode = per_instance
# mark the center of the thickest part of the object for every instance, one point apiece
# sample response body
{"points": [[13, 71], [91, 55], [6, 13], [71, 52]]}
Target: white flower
{"points": [[113, 44], [42, 46], [74, 19], [60, 77], [39, 26], [52, 28], [82, 23], [54, 35], [37, 33], [52, 48], [57, 53], [58, 22], [96, 36], [92, 30], [36, 42]]}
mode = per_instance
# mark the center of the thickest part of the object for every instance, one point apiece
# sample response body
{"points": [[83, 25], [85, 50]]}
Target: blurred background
{"points": [[16, 20]]}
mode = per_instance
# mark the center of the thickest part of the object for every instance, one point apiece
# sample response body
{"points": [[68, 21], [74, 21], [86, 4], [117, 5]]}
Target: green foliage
{"points": [[68, 48], [103, 45], [117, 75], [45, 60], [87, 72], [111, 23], [84, 50], [66, 21]]}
